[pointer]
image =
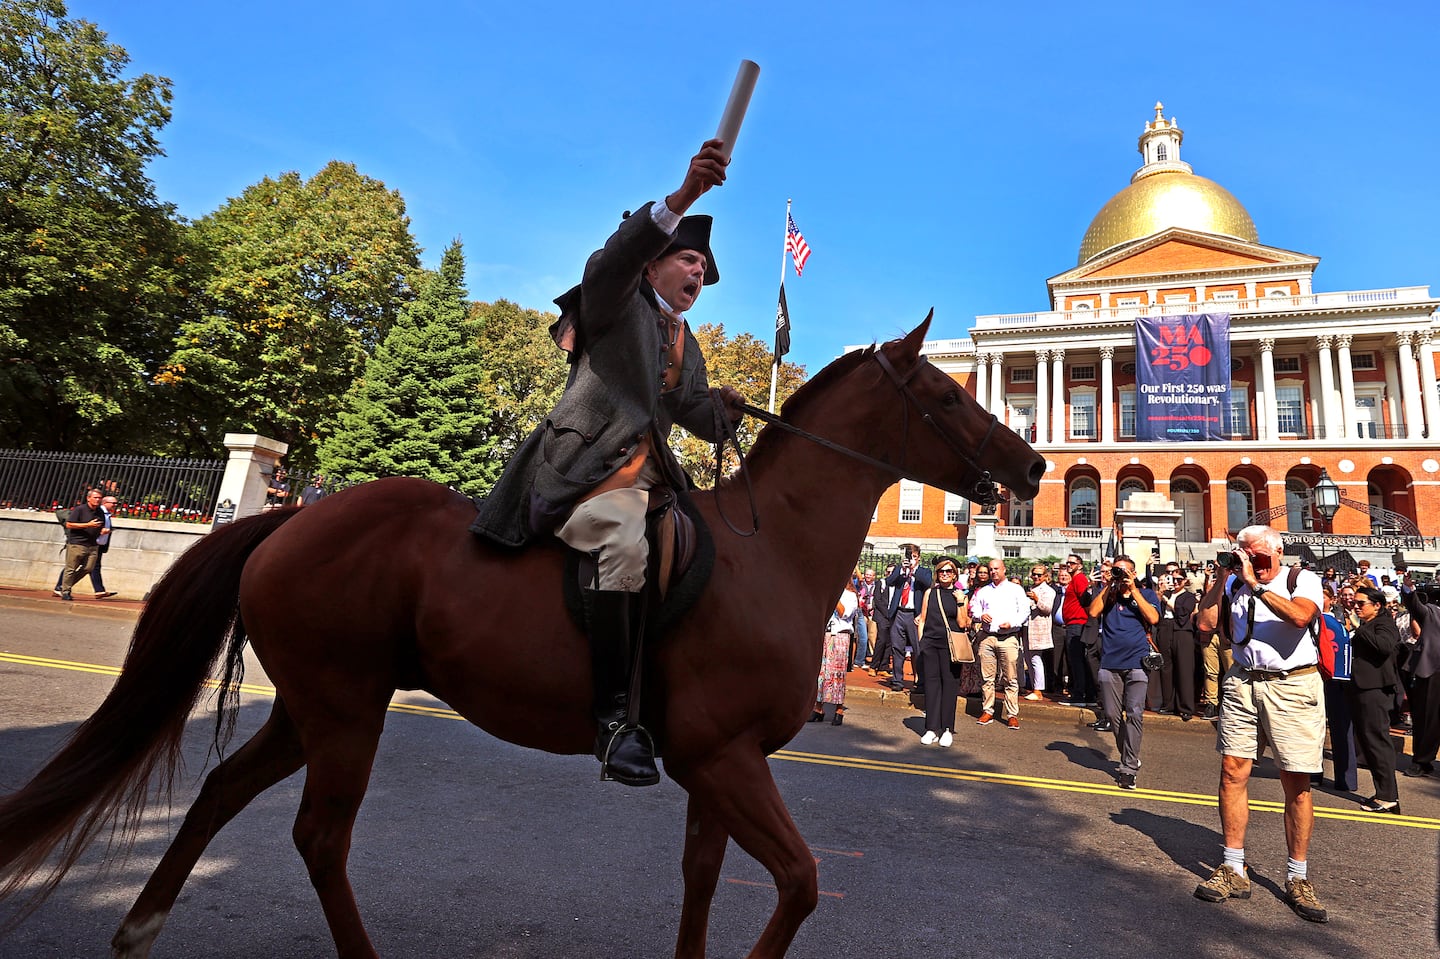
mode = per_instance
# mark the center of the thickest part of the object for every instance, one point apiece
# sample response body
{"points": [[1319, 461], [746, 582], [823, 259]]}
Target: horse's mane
{"points": [[806, 395]]}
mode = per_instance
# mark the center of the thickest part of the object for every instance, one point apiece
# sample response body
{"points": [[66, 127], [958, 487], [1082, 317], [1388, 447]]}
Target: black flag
{"points": [[782, 327]]}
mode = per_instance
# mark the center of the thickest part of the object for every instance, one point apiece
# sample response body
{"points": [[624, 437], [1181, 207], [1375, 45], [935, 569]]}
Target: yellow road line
{"points": [[863, 764], [1065, 785]]}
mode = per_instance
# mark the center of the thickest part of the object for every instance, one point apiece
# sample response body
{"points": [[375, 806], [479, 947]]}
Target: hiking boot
{"points": [[1223, 884], [1300, 896]]}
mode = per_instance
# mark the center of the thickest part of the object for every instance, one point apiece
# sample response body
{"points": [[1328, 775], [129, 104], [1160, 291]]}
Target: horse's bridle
{"points": [[985, 490]]}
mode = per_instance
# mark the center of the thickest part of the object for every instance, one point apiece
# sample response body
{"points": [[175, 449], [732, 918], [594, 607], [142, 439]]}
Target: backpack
{"points": [[1320, 632]]}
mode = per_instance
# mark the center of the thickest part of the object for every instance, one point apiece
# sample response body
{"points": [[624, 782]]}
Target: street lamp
{"points": [[1327, 504]]}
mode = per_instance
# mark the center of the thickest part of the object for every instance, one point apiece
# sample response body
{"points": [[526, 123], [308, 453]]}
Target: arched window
{"points": [[1239, 504], [1084, 503], [1160, 152], [1298, 518], [1130, 486], [1180, 484]]}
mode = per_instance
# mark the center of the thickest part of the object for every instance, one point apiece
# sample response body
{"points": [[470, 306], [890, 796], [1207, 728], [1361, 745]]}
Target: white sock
{"points": [[1295, 869], [1235, 859]]}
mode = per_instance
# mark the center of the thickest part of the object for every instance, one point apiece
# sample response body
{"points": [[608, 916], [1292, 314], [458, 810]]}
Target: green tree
{"points": [[92, 266], [744, 363], [304, 280], [524, 370], [418, 410]]}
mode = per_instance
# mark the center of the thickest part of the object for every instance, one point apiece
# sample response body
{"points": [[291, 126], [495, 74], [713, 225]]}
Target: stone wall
{"points": [[31, 553]]}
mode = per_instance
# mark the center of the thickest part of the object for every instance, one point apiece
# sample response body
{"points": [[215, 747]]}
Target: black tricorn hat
{"points": [[694, 234]]}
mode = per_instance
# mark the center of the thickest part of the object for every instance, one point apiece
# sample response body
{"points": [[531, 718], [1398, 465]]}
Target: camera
{"points": [[1227, 561], [1119, 575], [1151, 662]]}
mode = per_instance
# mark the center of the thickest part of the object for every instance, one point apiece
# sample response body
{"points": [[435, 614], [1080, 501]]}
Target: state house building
{"points": [[1338, 381]]}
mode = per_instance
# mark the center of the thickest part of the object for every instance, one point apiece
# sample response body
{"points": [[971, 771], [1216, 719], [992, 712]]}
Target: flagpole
{"points": [[775, 363]]}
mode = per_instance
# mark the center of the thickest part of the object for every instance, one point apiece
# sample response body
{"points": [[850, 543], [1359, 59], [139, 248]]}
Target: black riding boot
{"points": [[626, 753]]}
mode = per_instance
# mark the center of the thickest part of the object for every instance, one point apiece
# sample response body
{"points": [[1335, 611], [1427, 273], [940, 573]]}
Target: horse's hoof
{"points": [[134, 939]]}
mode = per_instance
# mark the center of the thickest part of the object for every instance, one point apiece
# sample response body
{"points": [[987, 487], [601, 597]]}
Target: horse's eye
{"points": [[951, 399]]}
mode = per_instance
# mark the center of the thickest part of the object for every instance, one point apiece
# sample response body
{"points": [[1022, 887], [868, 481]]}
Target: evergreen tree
{"points": [[418, 410]]}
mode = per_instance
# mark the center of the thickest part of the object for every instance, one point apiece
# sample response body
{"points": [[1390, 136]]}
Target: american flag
{"points": [[795, 244]]}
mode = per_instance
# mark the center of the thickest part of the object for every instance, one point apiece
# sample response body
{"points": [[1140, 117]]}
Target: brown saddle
{"points": [[674, 539]]}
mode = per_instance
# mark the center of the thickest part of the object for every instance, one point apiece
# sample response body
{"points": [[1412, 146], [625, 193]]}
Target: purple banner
{"points": [[1182, 378]]}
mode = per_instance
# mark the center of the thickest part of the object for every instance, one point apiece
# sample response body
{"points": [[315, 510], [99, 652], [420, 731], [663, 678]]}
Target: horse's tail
{"points": [[102, 774]]}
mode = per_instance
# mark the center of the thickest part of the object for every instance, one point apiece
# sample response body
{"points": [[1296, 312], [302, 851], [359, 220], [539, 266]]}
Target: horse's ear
{"points": [[916, 337]]}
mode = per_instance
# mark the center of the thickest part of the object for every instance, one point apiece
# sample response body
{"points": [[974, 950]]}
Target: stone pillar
{"points": [[997, 385], [247, 473], [1148, 521], [982, 525], [982, 390], [1106, 399], [1410, 386], [1427, 384], [1271, 411], [1332, 424], [1347, 383], [1392, 395], [1057, 397], [1042, 396]]}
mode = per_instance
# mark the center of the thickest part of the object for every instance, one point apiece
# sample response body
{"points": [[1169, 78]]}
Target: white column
{"points": [[1106, 399], [1410, 385], [247, 474], [1331, 424], [1427, 384], [1057, 397], [1347, 383], [1267, 378], [1392, 394], [982, 391], [1042, 396], [997, 385]]}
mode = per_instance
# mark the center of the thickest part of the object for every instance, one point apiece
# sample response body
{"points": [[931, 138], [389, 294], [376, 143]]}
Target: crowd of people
{"points": [[1278, 655]]}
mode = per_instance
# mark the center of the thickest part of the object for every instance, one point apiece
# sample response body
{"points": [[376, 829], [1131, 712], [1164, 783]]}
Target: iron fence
{"points": [[146, 487], [303, 485]]}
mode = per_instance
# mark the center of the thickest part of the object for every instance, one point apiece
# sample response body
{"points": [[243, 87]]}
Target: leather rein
{"points": [[984, 489]]}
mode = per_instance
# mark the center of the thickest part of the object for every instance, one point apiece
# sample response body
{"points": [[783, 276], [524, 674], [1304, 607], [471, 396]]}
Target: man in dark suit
{"points": [[907, 588], [585, 473], [880, 605], [1425, 690]]}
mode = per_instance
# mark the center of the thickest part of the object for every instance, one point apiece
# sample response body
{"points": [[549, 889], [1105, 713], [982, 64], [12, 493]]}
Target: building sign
{"points": [[1333, 542], [1182, 377]]}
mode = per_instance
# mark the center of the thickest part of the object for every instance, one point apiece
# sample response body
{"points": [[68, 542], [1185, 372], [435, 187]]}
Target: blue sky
{"points": [[938, 154]]}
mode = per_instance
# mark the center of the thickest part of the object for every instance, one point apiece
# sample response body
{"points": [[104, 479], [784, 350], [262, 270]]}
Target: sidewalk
{"points": [[85, 603], [859, 684]]}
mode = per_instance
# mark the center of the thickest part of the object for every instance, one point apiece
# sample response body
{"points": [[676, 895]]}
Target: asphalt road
{"points": [[1011, 843]]}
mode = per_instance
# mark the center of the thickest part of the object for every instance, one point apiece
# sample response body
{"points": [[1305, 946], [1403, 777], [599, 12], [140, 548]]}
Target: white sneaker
{"points": [[929, 738], [946, 739]]}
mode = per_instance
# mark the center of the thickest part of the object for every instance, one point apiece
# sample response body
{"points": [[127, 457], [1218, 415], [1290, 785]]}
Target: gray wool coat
{"points": [[612, 399]]}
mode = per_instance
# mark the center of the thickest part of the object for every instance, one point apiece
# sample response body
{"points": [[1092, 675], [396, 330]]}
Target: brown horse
{"points": [[401, 618]]}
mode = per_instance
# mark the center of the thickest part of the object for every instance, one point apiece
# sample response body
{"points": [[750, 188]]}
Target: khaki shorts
{"points": [[1286, 714]]}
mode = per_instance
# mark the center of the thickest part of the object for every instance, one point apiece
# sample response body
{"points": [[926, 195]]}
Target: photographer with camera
{"points": [[1273, 694], [1127, 612]]}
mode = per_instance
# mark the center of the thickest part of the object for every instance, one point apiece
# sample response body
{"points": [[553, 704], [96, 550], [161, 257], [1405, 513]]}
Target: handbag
{"points": [[961, 651], [1152, 661]]}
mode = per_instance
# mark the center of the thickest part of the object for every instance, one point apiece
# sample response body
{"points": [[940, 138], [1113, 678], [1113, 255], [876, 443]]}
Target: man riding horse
{"points": [[585, 473]]}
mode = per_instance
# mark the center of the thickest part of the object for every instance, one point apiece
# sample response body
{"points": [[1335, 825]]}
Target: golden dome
{"points": [[1163, 200]]}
